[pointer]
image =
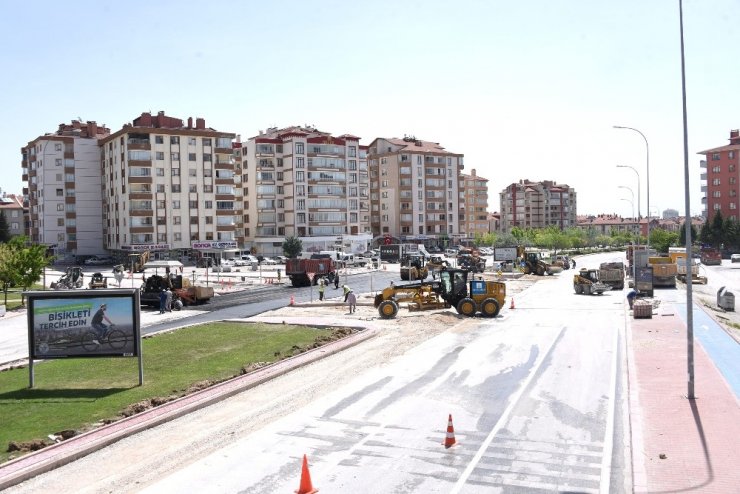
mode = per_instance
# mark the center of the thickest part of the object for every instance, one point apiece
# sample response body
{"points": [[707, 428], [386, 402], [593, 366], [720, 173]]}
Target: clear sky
{"points": [[525, 89]]}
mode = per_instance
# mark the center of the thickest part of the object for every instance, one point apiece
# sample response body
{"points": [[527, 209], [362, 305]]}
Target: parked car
{"points": [[98, 261], [249, 260], [228, 262], [735, 258], [280, 259]]}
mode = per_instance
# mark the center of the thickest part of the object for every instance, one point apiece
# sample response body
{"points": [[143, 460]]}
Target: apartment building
{"points": [[170, 187], [62, 171], [537, 205], [303, 182], [415, 190], [13, 208], [473, 205], [720, 178]]}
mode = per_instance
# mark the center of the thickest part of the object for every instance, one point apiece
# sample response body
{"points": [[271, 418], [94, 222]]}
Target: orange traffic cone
{"points": [[305, 487], [512, 304], [292, 300], [450, 437]]}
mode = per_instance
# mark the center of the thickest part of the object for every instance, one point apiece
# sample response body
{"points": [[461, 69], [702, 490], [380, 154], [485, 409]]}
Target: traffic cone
{"points": [[512, 304], [450, 437], [292, 300], [305, 487]]}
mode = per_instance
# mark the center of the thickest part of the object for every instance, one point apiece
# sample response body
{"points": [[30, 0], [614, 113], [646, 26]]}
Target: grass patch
{"points": [[75, 395], [14, 297]]}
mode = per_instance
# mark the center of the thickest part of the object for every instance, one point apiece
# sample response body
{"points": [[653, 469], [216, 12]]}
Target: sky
{"points": [[525, 90]]}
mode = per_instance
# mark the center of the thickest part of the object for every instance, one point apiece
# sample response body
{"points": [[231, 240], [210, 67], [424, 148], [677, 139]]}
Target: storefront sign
{"points": [[214, 245], [143, 247]]}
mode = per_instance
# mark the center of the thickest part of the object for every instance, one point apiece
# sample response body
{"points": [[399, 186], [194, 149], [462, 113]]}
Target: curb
{"points": [[56, 455]]}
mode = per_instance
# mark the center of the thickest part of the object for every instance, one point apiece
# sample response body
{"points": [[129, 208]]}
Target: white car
{"points": [[269, 261], [735, 258]]}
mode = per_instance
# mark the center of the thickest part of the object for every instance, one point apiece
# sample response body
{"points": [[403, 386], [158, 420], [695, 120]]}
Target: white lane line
{"points": [[606, 460], [503, 419]]}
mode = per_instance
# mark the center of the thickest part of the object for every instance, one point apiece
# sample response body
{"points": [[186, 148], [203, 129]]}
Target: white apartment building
{"points": [[170, 188], [537, 205], [302, 182], [415, 191], [62, 170]]}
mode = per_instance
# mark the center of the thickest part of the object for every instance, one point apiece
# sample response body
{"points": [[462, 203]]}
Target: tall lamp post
{"points": [[647, 181], [632, 201], [633, 197], [639, 211]]}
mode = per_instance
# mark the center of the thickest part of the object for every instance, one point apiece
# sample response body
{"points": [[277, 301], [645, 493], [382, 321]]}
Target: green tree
{"points": [[7, 269], [485, 239], [731, 233], [292, 246], [4, 228], [716, 235], [661, 239], [552, 238], [25, 266], [682, 234]]}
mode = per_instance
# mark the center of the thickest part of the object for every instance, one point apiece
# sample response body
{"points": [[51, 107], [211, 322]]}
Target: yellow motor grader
{"points": [[454, 288]]}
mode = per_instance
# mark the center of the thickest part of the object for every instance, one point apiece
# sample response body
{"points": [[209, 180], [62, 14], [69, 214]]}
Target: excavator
{"points": [[454, 288]]}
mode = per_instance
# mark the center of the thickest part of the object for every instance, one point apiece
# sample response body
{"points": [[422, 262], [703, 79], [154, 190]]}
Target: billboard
{"points": [[83, 323]]}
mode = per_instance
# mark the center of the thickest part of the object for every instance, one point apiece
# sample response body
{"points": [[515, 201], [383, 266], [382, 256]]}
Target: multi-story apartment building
{"points": [[473, 205], [169, 188], [722, 171], [415, 190], [14, 210], [537, 205], [62, 170], [302, 182]]}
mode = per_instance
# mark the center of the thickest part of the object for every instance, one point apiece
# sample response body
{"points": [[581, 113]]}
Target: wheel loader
{"points": [[586, 282], [454, 288]]}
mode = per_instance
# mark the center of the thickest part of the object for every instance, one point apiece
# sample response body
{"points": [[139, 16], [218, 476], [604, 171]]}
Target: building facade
{"points": [[415, 191], [12, 206], [62, 170], [302, 182], [473, 205], [537, 205], [169, 187], [720, 178]]}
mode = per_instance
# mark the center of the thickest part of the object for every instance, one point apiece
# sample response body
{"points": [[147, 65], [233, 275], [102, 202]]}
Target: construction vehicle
{"points": [[682, 273], [532, 263], [471, 260], [612, 274], [435, 264], [98, 281], [413, 267], [710, 256], [138, 260], [562, 261], [72, 278], [664, 271], [455, 288], [183, 293], [586, 282], [304, 272]]}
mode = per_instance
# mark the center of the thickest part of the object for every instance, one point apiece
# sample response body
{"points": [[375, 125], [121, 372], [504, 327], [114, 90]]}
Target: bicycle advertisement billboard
{"points": [[75, 323]]}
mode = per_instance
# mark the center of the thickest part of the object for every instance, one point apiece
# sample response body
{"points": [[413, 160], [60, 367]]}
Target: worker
{"points": [[336, 280], [631, 296], [321, 289], [346, 291], [573, 261], [352, 301], [168, 300], [162, 301]]}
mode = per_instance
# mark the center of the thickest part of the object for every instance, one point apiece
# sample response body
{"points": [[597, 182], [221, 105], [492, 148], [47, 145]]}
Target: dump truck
{"points": [[683, 274], [612, 274], [413, 267], [664, 271], [586, 282], [305, 272], [710, 256], [455, 288]]}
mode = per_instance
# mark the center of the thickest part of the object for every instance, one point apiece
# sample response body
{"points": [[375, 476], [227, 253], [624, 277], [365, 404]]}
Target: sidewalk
{"points": [[680, 444]]}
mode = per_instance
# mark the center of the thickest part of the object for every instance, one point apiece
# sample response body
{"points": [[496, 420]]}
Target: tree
{"points": [[661, 239], [292, 246], [7, 270], [682, 234], [731, 233], [24, 264], [4, 228]]}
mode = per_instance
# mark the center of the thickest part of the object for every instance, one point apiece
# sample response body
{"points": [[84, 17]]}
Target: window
{"points": [[174, 140], [176, 188], [176, 220], [733, 205], [178, 236], [209, 220], [175, 172], [57, 146], [159, 155], [716, 169], [158, 139], [299, 176], [207, 157], [715, 181], [191, 141], [160, 172], [191, 156], [60, 221], [209, 205], [193, 204], [175, 156], [298, 148], [716, 193], [732, 180], [160, 187], [299, 163], [60, 192], [192, 172], [60, 207], [731, 154], [192, 188], [175, 204], [58, 162]]}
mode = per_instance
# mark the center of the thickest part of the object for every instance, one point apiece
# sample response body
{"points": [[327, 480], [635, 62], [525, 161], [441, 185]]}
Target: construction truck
{"points": [[682, 273], [532, 263], [455, 288], [413, 267], [710, 256], [305, 272], [471, 260], [137, 261], [435, 264], [72, 278], [183, 293], [664, 271], [586, 282], [612, 274]]}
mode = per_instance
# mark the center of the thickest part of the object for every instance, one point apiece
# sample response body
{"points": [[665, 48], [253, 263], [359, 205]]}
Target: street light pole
{"points": [[639, 211], [631, 202], [647, 162], [633, 197]]}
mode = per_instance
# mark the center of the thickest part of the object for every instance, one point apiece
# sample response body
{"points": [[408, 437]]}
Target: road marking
{"points": [[606, 459], [503, 419]]}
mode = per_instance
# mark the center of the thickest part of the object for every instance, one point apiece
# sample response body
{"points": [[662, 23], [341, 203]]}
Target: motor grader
{"points": [[586, 282], [454, 288]]}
